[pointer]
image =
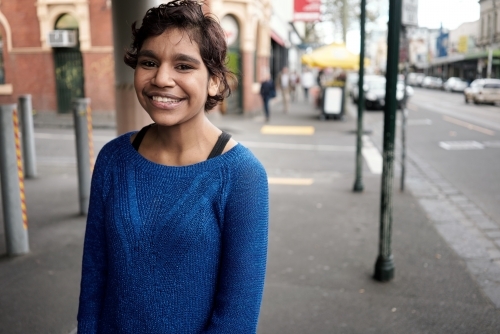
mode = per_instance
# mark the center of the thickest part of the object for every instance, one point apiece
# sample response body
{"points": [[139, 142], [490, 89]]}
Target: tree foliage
{"points": [[344, 14]]}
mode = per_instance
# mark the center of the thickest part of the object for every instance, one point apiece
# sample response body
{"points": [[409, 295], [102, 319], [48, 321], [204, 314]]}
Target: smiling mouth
{"points": [[165, 99]]}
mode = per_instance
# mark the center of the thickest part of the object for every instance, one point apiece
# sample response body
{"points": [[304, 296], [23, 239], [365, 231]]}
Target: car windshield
{"points": [[492, 85], [377, 85]]}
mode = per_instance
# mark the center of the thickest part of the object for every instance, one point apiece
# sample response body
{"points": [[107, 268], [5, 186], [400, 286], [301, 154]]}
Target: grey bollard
{"points": [[29, 155], [83, 150], [11, 176]]}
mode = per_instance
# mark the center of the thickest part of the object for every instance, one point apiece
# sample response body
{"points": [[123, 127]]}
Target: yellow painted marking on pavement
{"points": [[287, 130], [469, 125], [412, 107], [290, 181]]}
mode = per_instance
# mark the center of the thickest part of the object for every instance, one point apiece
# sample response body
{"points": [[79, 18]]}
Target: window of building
{"points": [[66, 22], [482, 27]]}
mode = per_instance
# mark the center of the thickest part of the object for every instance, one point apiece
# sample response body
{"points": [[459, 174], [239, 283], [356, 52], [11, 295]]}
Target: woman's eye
{"points": [[184, 67], [148, 63]]}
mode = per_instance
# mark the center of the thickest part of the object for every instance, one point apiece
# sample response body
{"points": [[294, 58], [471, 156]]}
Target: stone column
{"points": [[129, 113]]}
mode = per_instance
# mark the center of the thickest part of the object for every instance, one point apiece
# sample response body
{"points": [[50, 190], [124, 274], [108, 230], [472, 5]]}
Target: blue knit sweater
{"points": [[174, 249]]}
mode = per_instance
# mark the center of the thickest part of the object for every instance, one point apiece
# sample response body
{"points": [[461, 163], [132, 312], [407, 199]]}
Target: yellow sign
{"points": [[463, 44]]}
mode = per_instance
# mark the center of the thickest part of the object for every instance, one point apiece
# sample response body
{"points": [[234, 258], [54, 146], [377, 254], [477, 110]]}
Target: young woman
{"points": [[176, 236]]}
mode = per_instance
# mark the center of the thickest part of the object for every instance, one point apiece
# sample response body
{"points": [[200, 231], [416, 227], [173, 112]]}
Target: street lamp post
{"points": [[384, 266]]}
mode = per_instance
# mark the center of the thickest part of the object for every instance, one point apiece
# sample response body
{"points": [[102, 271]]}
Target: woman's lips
{"points": [[165, 102]]}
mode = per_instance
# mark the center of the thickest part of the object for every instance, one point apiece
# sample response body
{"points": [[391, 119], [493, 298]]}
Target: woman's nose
{"points": [[164, 77]]}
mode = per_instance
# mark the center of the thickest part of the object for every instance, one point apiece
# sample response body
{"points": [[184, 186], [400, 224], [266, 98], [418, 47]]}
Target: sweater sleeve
{"points": [[94, 264], [243, 254]]}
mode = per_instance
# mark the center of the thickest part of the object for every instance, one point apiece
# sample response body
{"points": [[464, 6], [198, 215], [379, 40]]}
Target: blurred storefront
{"points": [[246, 24], [462, 52], [262, 39], [57, 50]]}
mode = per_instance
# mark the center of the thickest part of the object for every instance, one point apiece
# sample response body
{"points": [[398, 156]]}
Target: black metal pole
{"points": [[358, 183], [384, 266], [404, 111]]}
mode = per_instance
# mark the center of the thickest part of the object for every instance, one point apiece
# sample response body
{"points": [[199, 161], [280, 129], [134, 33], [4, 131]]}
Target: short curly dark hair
{"points": [[204, 29]]}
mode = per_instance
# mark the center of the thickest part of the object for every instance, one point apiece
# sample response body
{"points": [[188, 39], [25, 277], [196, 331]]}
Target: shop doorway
{"points": [[233, 104], [68, 65]]}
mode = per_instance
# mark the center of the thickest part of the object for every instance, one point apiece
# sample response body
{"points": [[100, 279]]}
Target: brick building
{"points": [[32, 64], [56, 50]]}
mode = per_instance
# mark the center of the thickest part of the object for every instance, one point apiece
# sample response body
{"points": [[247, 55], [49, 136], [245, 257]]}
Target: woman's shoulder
{"points": [[115, 146], [244, 161]]}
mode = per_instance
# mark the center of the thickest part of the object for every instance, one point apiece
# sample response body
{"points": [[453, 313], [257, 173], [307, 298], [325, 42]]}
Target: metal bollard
{"points": [[29, 156], [11, 176], [84, 149]]}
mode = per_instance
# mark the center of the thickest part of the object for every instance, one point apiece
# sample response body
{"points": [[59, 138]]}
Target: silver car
{"points": [[455, 84], [483, 91]]}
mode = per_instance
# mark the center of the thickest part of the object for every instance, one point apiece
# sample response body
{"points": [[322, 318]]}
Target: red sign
{"points": [[307, 10]]}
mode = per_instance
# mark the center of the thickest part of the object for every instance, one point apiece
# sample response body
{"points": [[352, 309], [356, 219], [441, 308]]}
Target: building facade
{"points": [[471, 47], [56, 50]]}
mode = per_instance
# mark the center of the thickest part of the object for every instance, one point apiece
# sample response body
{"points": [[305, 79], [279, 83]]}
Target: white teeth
{"points": [[164, 99]]}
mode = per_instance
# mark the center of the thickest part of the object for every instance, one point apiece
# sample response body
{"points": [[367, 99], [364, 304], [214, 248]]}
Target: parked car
{"points": [[415, 79], [351, 81], [366, 79], [432, 82], [375, 93], [483, 91], [455, 84], [400, 93]]}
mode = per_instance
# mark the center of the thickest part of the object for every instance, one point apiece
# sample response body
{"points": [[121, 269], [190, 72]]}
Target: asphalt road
{"points": [[460, 141]]}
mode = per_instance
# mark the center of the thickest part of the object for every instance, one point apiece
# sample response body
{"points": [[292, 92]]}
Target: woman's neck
{"points": [[180, 145]]}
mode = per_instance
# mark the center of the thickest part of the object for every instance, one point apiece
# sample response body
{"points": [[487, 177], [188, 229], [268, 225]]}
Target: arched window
{"points": [[66, 22]]}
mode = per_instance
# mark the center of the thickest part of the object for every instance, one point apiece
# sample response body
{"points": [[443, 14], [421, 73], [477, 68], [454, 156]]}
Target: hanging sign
{"points": [[409, 15], [307, 10]]}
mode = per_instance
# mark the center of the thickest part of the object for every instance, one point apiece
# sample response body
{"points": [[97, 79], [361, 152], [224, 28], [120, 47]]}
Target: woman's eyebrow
{"points": [[187, 58], [146, 53]]}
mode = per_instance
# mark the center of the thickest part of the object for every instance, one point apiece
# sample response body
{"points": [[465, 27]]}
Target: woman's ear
{"points": [[213, 85]]}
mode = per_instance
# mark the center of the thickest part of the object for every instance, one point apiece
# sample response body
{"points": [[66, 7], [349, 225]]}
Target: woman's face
{"points": [[171, 80]]}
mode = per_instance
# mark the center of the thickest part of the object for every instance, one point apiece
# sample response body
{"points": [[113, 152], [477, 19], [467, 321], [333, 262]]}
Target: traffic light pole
{"points": [[384, 266]]}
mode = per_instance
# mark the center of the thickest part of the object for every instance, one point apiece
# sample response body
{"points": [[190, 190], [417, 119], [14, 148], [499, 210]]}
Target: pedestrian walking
{"points": [[294, 81], [176, 235], [267, 92], [284, 87], [307, 82]]}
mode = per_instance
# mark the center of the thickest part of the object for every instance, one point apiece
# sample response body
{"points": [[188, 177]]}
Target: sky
{"points": [[431, 13], [451, 13]]}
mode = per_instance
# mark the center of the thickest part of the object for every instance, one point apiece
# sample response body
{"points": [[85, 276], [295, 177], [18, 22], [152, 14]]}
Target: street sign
{"points": [[409, 15]]}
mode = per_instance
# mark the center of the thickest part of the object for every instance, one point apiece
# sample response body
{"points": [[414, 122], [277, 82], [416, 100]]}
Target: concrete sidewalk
{"points": [[323, 243]]}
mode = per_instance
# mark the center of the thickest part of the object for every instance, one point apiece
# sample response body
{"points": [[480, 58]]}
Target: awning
{"points": [[275, 37], [333, 55]]}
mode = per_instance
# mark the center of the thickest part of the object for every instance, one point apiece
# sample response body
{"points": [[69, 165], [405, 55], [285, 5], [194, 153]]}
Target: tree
{"points": [[344, 14]]}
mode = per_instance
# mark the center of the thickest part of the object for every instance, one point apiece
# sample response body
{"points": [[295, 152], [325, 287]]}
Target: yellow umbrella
{"points": [[334, 55]]}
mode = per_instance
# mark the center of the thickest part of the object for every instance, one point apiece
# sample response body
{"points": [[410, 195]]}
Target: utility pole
{"points": [[384, 266], [358, 184], [492, 29]]}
